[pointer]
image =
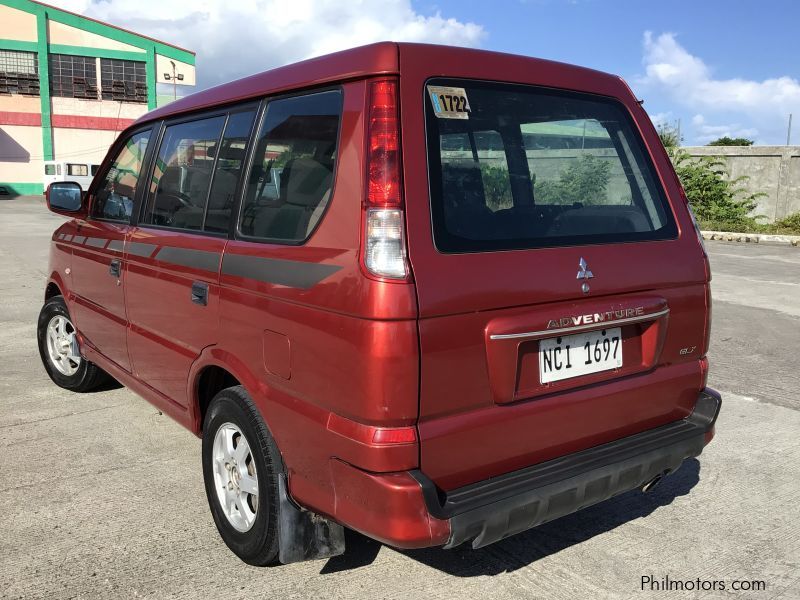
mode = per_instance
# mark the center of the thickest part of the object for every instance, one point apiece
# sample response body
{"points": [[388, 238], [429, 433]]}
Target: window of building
{"points": [[73, 76], [77, 170], [230, 157], [123, 80], [115, 195], [292, 175], [185, 162], [19, 73]]}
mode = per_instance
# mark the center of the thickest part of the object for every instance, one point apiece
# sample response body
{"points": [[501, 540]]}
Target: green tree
{"points": [[729, 141], [584, 181], [670, 136], [496, 186], [715, 198]]}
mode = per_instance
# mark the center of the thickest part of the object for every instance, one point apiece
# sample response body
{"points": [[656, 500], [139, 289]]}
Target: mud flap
{"points": [[304, 535]]}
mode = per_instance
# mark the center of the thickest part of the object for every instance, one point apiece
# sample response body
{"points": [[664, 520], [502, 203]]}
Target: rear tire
{"points": [[241, 468], [58, 350]]}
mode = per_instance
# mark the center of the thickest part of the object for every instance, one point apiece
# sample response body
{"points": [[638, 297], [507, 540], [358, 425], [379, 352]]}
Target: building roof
{"points": [[50, 7]]}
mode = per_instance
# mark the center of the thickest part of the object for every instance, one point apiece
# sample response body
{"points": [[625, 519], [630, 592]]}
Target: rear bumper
{"points": [[490, 510]]}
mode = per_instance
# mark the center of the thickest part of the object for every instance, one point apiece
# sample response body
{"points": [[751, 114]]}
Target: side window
{"points": [[294, 164], [185, 161], [58, 169], [77, 170], [230, 157], [475, 175], [575, 162], [95, 169], [49, 169], [115, 194]]}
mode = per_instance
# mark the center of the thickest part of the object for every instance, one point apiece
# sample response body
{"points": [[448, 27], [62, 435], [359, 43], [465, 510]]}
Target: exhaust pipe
{"points": [[650, 485]]}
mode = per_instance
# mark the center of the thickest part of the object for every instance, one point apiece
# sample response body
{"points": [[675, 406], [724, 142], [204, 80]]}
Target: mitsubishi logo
{"points": [[585, 274]]}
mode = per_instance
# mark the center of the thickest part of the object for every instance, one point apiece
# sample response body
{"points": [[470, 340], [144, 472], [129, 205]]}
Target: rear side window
{"points": [[94, 169], [116, 192], [77, 170], [533, 167], [182, 174], [49, 169], [291, 179]]}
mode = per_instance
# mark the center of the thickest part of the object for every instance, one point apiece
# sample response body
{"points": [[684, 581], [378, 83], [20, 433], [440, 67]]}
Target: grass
{"points": [[787, 226]]}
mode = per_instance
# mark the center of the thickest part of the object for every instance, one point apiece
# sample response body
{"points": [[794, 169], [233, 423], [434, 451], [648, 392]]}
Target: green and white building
{"points": [[69, 84]]}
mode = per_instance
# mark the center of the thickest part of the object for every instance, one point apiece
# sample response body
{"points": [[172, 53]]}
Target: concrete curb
{"points": [[755, 238]]}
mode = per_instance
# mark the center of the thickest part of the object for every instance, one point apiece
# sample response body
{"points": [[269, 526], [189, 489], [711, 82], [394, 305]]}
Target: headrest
{"points": [[305, 181]]}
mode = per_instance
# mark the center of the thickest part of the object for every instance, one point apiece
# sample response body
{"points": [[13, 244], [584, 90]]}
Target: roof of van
{"points": [[382, 58]]}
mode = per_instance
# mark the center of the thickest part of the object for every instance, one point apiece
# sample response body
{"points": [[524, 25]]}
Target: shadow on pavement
{"points": [[528, 547]]}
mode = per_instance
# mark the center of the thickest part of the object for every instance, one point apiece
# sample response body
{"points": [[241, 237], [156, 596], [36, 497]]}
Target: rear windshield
{"points": [[515, 167]]}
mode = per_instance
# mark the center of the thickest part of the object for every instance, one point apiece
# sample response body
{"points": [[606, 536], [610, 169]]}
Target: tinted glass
{"points": [[230, 157], [182, 174], [95, 169], [292, 174], [77, 170], [49, 169], [532, 167], [115, 194]]}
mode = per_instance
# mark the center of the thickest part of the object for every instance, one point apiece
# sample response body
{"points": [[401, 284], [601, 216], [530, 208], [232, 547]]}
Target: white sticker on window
{"points": [[449, 102]]}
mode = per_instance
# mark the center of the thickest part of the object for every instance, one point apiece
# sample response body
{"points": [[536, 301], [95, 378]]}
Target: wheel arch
{"points": [[55, 287], [212, 372]]}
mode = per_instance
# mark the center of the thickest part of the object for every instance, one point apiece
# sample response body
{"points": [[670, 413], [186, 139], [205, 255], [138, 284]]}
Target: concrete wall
{"points": [[773, 170], [17, 24]]}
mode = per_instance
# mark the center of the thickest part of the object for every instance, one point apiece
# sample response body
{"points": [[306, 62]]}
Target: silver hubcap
{"points": [[235, 477], [62, 347]]}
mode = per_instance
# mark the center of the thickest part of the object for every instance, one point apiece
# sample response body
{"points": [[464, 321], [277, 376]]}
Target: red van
{"points": [[432, 294]]}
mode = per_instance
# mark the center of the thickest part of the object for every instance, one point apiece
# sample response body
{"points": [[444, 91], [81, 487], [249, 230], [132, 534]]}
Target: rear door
{"points": [[561, 295], [174, 252]]}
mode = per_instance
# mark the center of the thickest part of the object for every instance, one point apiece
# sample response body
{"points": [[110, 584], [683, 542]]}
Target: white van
{"points": [[79, 172]]}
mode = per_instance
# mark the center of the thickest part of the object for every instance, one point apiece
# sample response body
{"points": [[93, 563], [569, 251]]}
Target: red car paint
{"points": [[362, 379]]}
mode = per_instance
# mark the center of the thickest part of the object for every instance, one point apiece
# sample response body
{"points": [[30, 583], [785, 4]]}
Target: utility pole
{"points": [[789, 132], [176, 77]]}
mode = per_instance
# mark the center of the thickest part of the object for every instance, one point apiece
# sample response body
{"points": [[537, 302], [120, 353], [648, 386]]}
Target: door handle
{"points": [[200, 293], [115, 268]]}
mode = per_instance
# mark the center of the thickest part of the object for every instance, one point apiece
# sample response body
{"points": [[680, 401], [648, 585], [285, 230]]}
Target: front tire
{"points": [[58, 349], [241, 467]]}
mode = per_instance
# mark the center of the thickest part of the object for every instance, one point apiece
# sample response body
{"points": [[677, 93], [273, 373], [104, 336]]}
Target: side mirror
{"points": [[65, 198]]}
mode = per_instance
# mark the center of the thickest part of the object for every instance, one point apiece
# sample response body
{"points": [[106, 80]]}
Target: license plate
{"points": [[580, 354]]}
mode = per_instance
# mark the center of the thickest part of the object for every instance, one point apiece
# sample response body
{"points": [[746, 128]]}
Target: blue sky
{"points": [[735, 39], [723, 67]]}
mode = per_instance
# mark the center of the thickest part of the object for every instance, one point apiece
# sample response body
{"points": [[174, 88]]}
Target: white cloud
{"points": [[233, 39], [706, 132], [763, 105]]}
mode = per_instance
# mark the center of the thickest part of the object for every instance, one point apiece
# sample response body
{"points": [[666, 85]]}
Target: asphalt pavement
{"points": [[101, 496]]}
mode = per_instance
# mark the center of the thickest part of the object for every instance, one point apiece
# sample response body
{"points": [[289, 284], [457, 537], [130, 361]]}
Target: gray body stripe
{"points": [[96, 242], [194, 259], [79, 239], [61, 236], [115, 245], [291, 273], [141, 249]]}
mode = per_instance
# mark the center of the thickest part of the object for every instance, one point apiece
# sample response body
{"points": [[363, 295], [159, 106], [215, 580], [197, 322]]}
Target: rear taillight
{"points": [[384, 222]]}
